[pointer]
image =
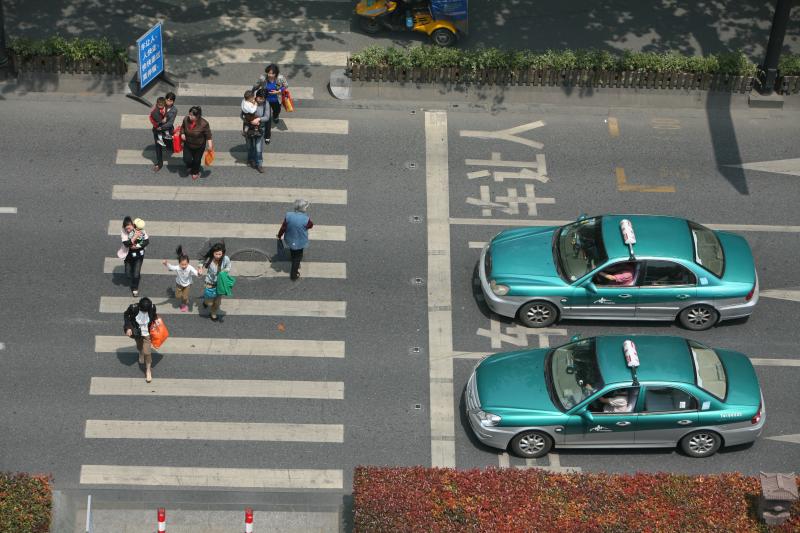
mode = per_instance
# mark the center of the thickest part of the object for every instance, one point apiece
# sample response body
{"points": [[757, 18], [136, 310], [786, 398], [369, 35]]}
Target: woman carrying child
{"points": [[134, 241], [256, 126]]}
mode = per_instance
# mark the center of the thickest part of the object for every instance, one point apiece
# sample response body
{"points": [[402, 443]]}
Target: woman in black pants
{"points": [[134, 240], [196, 135]]}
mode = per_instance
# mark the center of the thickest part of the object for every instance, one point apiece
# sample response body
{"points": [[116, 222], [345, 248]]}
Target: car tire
{"points": [[369, 25], [532, 444], [701, 444], [538, 314], [698, 317], [443, 37]]}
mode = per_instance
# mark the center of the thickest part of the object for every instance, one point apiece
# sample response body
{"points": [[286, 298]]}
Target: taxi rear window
{"points": [[707, 249], [709, 372]]}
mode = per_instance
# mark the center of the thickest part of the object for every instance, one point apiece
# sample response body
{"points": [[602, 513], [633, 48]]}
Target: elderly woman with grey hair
{"points": [[295, 226]]}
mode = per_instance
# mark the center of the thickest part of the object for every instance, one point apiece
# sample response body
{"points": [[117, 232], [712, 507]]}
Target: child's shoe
{"points": [[184, 308]]}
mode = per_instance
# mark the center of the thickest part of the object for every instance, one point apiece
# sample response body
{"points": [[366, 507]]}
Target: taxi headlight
{"points": [[488, 419], [499, 290]]}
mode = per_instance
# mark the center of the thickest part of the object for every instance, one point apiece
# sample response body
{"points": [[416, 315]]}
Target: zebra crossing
{"points": [[259, 347]]}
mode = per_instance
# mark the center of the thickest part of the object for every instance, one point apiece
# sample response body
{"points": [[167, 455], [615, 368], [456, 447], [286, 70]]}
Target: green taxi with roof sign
{"points": [[616, 392], [620, 267]]}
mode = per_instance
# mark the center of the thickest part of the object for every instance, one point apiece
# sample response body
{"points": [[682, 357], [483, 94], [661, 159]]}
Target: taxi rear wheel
{"points": [[698, 317], [701, 443], [443, 37], [369, 25], [532, 444], [538, 314]]}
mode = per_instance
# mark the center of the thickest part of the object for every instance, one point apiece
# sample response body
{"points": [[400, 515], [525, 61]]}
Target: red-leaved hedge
{"points": [[25, 503], [512, 500]]}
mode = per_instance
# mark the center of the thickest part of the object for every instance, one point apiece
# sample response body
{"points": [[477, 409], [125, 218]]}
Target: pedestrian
{"points": [[295, 226], [260, 120], [274, 84], [134, 241], [164, 128], [215, 262], [183, 277], [137, 320], [196, 135]]}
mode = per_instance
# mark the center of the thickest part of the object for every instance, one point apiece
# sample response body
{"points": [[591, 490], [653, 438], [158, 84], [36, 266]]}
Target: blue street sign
{"points": [[151, 55]]}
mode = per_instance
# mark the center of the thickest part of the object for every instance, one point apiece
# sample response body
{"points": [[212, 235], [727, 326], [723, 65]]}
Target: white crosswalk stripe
{"points": [[234, 431], [256, 24], [172, 476], [234, 158], [216, 346], [192, 89], [234, 306], [306, 58], [227, 194], [234, 123], [217, 388], [248, 269], [166, 228]]}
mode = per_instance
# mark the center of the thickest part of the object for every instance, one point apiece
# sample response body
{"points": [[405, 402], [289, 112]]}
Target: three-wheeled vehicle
{"points": [[442, 20]]}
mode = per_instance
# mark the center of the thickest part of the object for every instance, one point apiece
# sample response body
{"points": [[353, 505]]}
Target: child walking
{"points": [[183, 277]]}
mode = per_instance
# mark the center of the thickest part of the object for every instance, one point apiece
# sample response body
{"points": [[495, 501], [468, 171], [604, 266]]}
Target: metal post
{"points": [[89, 528], [768, 73]]}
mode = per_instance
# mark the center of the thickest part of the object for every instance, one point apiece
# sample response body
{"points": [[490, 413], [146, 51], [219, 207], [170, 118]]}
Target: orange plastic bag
{"points": [[286, 99], [158, 333], [177, 142], [209, 157]]}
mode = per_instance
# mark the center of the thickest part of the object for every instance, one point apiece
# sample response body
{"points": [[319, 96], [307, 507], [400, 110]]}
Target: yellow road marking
{"points": [[613, 127], [624, 186]]}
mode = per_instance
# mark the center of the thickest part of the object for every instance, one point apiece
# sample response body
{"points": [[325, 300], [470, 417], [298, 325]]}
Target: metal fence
{"points": [[62, 65]]}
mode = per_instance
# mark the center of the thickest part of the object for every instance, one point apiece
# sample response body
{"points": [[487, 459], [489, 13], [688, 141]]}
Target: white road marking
{"points": [[234, 306], [247, 23], [503, 460], [794, 439], [790, 167], [172, 476], [8, 210], [247, 431], [167, 228], [509, 134], [477, 245], [230, 55], [217, 346], [229, 159], [516, 222], [781, 294], [233, 91], [217, 388], [758, 361], [2, 346], [293, 125], [227, 194], [440, 322], [248, 269]]}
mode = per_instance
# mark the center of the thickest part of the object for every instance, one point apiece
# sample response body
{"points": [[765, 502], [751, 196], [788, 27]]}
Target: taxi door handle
{"points": [[624, 296], [682, 296], [684, 422], [623, 423]]}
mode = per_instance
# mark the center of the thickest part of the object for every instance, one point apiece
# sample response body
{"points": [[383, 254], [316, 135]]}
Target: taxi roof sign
{"points": [[628, 235], [631, 358]]}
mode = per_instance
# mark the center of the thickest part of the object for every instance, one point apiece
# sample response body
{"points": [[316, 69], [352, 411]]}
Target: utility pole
{"points": [[768, 73]]}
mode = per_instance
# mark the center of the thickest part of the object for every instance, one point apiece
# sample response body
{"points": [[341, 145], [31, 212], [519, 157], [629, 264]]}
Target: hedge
{"points": [[388, 499], [25, 503], [75, 49], [789, 65]]}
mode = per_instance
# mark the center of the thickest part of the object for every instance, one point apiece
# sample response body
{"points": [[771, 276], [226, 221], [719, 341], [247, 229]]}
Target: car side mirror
{"points": [[587, 415]]}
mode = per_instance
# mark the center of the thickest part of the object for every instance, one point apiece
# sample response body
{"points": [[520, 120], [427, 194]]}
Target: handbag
{"points": [[280, 251], [158, 332], [286, 100], [209, 157], [177, 142], [210, 293]]}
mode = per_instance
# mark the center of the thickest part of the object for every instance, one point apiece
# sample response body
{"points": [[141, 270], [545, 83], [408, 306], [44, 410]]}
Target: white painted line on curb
{"points": [[235, 306], [229, 159], [191, 89], [168, 228], [285, 195], [238, 431], [503, 460], [248, 269], [217, 388], [293, 125], [172, 476], [541, 223], [440, 321], [217, 346]]}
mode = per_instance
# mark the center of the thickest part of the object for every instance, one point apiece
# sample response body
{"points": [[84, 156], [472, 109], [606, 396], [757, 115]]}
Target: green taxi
{"points": [[632, 391], [620, 267]]}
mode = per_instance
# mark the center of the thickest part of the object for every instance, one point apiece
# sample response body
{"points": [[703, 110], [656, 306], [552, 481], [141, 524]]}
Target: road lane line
{"points": [[759, 361], [238, 431], [779, 294], [8, 210], [510, 222], [248, 269], [172, 476], [169, 228], [217, 346], [240, 307], [293, 125], [192, 89], [440, 322], [227, 194], [218, 388], [239, 157]]}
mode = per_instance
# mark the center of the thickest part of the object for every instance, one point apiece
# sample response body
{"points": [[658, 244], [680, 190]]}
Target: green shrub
{"points": [[25, 503], [75, 49], [789, 65]]}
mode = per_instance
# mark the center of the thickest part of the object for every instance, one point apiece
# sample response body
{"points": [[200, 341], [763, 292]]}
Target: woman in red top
{"points": [[196, 135]]}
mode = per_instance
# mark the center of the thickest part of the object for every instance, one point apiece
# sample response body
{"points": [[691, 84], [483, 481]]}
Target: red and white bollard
{"points": [[162, 520], [248, 520]]}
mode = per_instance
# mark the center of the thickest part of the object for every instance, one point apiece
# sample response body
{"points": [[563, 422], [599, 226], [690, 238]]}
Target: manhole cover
{"points": [[250, 254]]}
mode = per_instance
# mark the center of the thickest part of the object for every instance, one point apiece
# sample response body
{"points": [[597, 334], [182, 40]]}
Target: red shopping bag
{"points": [[158, 333], [177, 143], [286, 100]]}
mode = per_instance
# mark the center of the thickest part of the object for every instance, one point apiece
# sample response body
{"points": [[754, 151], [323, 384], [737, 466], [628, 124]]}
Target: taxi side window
{"points": [[667, 273], [668, 399]]}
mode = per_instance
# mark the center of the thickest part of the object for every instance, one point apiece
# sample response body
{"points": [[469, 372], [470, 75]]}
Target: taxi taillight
{"points": [[750, 294], [756, 419]]}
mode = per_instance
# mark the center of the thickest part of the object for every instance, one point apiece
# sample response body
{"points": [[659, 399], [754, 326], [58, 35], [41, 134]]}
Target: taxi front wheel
{"points": [[701, 443], [538, 314], [532, 444]]}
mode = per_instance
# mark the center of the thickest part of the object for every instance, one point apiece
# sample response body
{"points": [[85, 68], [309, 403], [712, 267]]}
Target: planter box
{"points": [[57, 73], [789, 84]]}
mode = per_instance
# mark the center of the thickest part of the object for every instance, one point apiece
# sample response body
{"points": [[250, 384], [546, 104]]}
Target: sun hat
{"points": [[138, 223]]}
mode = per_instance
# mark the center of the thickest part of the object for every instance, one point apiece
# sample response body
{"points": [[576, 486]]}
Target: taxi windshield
{"points": [[580, 248], [574, 373], [707, 249]]}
